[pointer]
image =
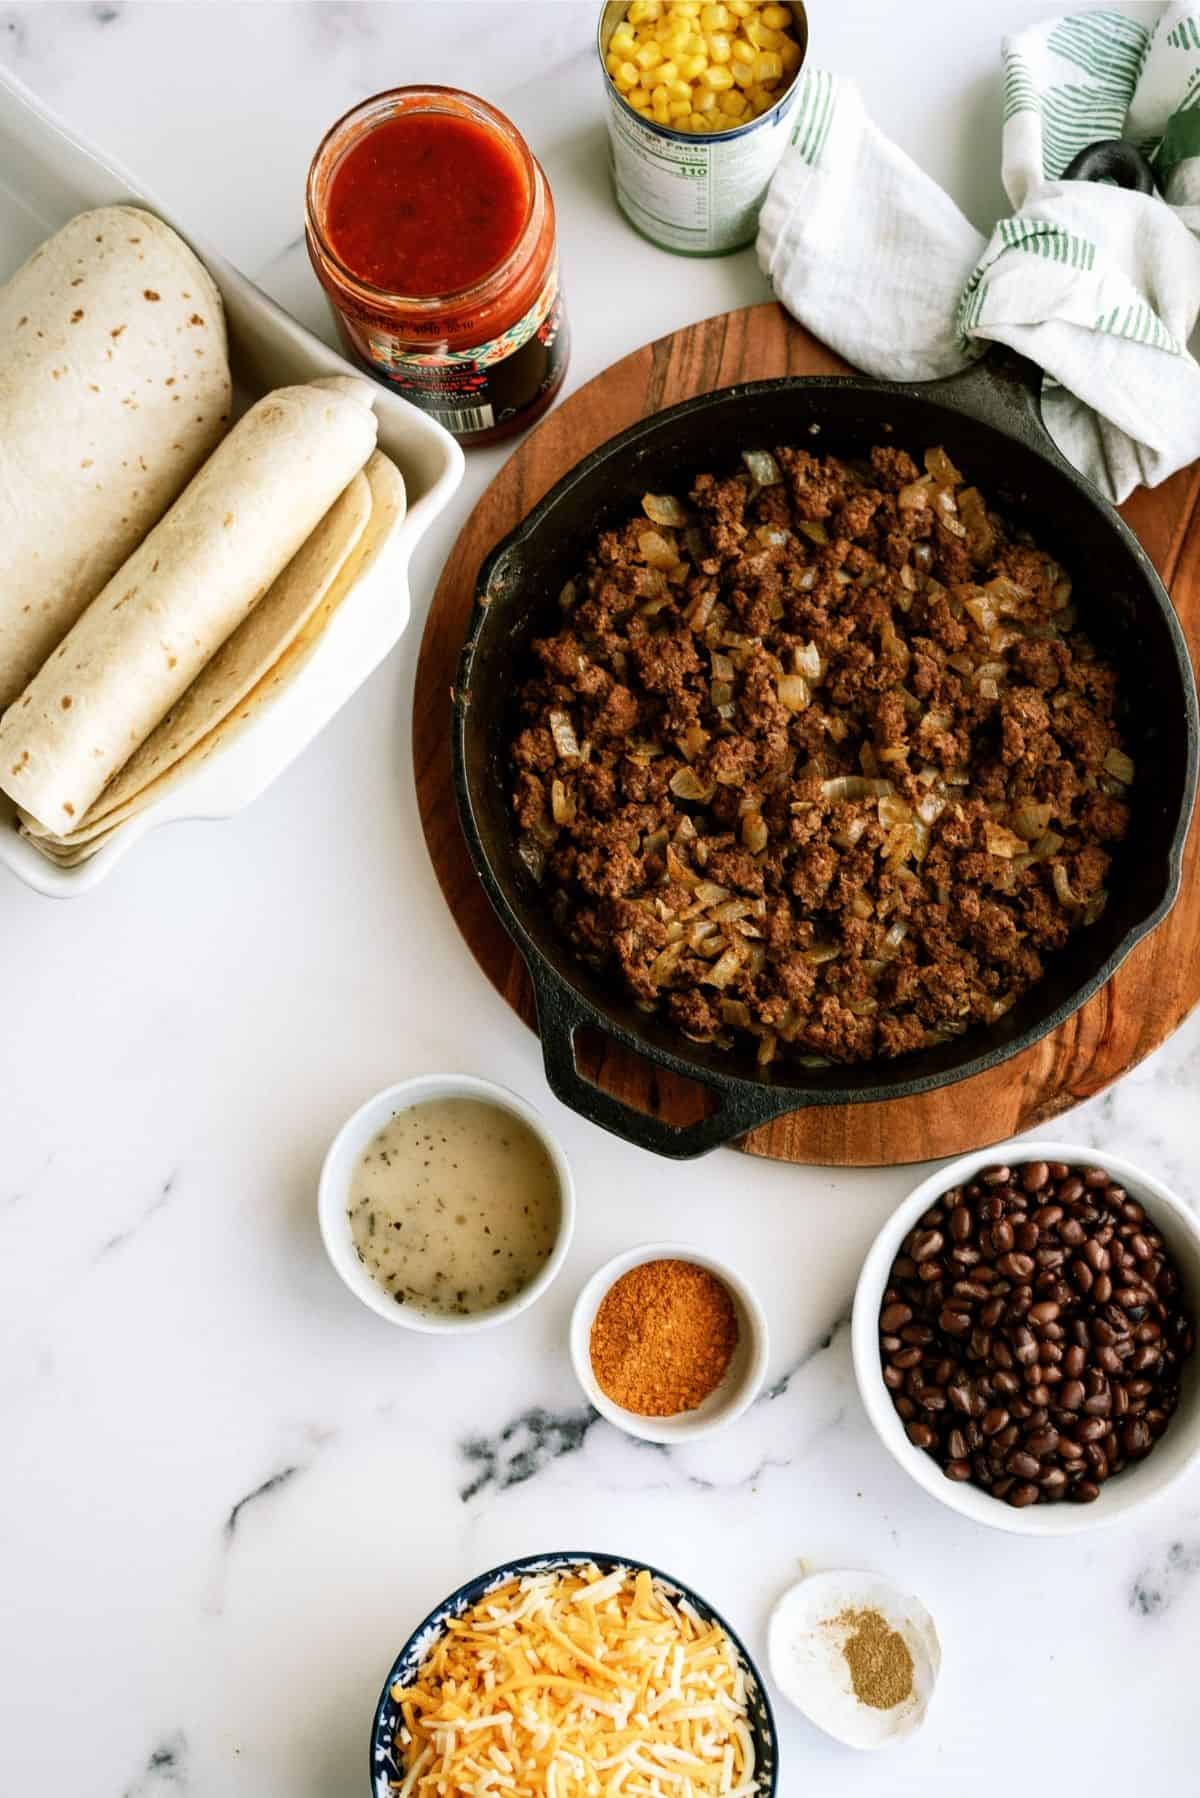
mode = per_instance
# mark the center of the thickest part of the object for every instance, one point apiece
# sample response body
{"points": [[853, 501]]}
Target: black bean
{"points": [[1032, 1332]]}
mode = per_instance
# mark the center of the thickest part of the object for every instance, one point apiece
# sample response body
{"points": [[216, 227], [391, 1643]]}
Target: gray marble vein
{"points": [[166, 1767], [274, 1484], [1161, 1581], [532, 1441], [121, 1237]]}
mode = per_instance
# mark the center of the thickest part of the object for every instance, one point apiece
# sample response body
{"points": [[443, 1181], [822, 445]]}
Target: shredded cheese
{"points": [[576, 1684]]}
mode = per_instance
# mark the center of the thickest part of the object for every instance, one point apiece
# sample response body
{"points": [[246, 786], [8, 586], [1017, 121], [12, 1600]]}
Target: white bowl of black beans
{"points": [[1023, 1333]]}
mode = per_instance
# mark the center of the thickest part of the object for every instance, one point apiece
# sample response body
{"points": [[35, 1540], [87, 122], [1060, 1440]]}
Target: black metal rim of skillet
{"points": [[997, 394], [760, 1715]]}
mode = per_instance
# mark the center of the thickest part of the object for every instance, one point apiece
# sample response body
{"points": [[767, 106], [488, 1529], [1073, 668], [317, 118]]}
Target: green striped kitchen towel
{"points": [[1098, 286]]}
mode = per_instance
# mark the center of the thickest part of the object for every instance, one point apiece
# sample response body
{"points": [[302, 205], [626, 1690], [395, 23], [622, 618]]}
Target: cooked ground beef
{"points": [[820, 757]]}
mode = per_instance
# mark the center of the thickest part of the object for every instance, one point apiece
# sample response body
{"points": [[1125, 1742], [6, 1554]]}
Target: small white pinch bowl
{"points": [[334, 1193], [1179, 1446], [804, 1652], [743, 1378]]}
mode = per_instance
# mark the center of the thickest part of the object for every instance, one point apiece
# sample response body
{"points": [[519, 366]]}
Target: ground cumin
{"points": [[663, 1338], [881, 1667]]}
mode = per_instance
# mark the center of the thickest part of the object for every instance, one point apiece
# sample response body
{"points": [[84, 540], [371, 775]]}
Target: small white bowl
{"points": [[743, 1378], [1172, 1455], [805, 1655], [334, 1191]]}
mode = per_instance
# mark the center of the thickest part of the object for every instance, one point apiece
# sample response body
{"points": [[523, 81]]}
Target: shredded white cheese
{"points": [[577, 1685]]}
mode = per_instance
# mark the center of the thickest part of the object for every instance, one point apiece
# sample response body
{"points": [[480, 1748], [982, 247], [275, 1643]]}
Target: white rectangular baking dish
{"points": [[46, 176]]}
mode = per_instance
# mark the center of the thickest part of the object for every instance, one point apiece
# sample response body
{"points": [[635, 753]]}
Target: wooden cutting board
{"points": [[1138, 1009]]}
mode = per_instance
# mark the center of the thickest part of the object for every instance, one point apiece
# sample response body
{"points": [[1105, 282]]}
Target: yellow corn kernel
{"points": [[697, 122], [713, 18], [686, 9], [742, 72], [667, 72], [732, 103], [760, 35], [680, 90], [642, 10], [637, 96], [648, 56], [703, 99], [612, 63], [790, 55], [659, 95], [776, 18], [744, 52], [626, 76], [719, 47], [622, 40], [768, 67], [741, 9], [659, 113], [680, 109], [717, 78], [692, 67], [760, 100]]}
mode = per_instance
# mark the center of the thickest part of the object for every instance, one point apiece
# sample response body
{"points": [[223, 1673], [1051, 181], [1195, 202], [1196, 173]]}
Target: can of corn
{"points": [[693, 181]]}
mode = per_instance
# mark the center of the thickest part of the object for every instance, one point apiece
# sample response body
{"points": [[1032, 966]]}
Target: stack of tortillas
{"points": [[155, 592]]}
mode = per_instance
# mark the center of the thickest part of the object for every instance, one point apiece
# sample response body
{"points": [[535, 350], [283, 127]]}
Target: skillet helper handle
{"points": [[1112, 159], [560, 1015], [1004, 388]]}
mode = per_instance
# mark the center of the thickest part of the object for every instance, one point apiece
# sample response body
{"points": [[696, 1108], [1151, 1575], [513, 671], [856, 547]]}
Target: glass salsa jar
{"points": [[431, 228]]}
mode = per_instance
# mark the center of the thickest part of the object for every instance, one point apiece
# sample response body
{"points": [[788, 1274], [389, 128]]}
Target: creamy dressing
{"points": [[454, 1206]]}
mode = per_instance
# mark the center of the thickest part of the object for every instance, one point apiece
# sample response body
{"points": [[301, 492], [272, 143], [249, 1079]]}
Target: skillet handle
{"points": [[561, 1014]]}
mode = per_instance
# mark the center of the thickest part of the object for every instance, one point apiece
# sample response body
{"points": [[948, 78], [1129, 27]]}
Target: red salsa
{"points": [[431, 228], [426, 203]]}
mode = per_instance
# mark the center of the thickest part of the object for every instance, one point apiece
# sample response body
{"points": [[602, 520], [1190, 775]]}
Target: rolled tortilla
{"points": [[386, 510], [114, 387], [182, 592]]}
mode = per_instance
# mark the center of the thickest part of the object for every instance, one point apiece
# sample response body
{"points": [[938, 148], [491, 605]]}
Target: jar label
{"points": [[487, 385]]}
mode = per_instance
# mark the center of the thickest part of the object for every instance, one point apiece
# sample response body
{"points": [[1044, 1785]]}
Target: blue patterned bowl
{"points": [[384, 1766]]}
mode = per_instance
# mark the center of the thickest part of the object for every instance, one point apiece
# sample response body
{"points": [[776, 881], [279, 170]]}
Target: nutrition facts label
{"points": [[694, 193]]}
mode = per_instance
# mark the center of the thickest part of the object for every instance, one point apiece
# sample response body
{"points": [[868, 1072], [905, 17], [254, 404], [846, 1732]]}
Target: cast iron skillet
{"points": [[989, 423]]}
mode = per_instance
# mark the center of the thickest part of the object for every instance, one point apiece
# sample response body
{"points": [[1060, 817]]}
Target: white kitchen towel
{"points": [[1098, 286]]}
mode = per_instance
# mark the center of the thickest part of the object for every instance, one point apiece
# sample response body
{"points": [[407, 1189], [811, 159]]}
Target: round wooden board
{"points": [[1135, 1012]]}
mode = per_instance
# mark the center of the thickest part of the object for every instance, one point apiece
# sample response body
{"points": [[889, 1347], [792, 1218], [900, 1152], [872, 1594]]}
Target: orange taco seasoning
{"points": [[663, 1338], [431, 228]]}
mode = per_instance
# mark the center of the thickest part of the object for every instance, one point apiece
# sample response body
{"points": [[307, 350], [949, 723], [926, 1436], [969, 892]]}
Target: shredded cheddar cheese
{"points": [[576, 1684]]}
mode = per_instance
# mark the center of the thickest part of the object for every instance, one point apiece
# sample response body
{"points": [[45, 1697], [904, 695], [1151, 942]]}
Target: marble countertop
{"points": [[228, 1490]]}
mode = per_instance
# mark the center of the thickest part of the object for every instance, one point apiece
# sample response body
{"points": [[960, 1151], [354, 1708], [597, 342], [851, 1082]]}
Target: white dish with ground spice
{"points": [[856, 1654], [445, 1204], [744, 1373]]}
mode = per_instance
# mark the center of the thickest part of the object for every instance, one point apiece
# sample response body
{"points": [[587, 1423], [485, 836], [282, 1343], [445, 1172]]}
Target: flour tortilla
{"points": [[114, 387], [242, 659], [183, 591], [387, 509]]}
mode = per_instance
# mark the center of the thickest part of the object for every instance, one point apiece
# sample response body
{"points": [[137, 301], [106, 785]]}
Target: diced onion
{"points": [[793, 692], [686, 784], [815, 531], [754, 833], [1120, 766], [855, 786], [726, 968], [664, 508], [1001, 841], [656, 551], [563, 732], [763, 468], [567, 597], [1062, 884], [939, 465], [1030, 819], [562, 803]]}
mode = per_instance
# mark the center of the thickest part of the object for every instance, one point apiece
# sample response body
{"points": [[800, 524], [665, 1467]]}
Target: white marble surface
{"points": [[228, 1491]]}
